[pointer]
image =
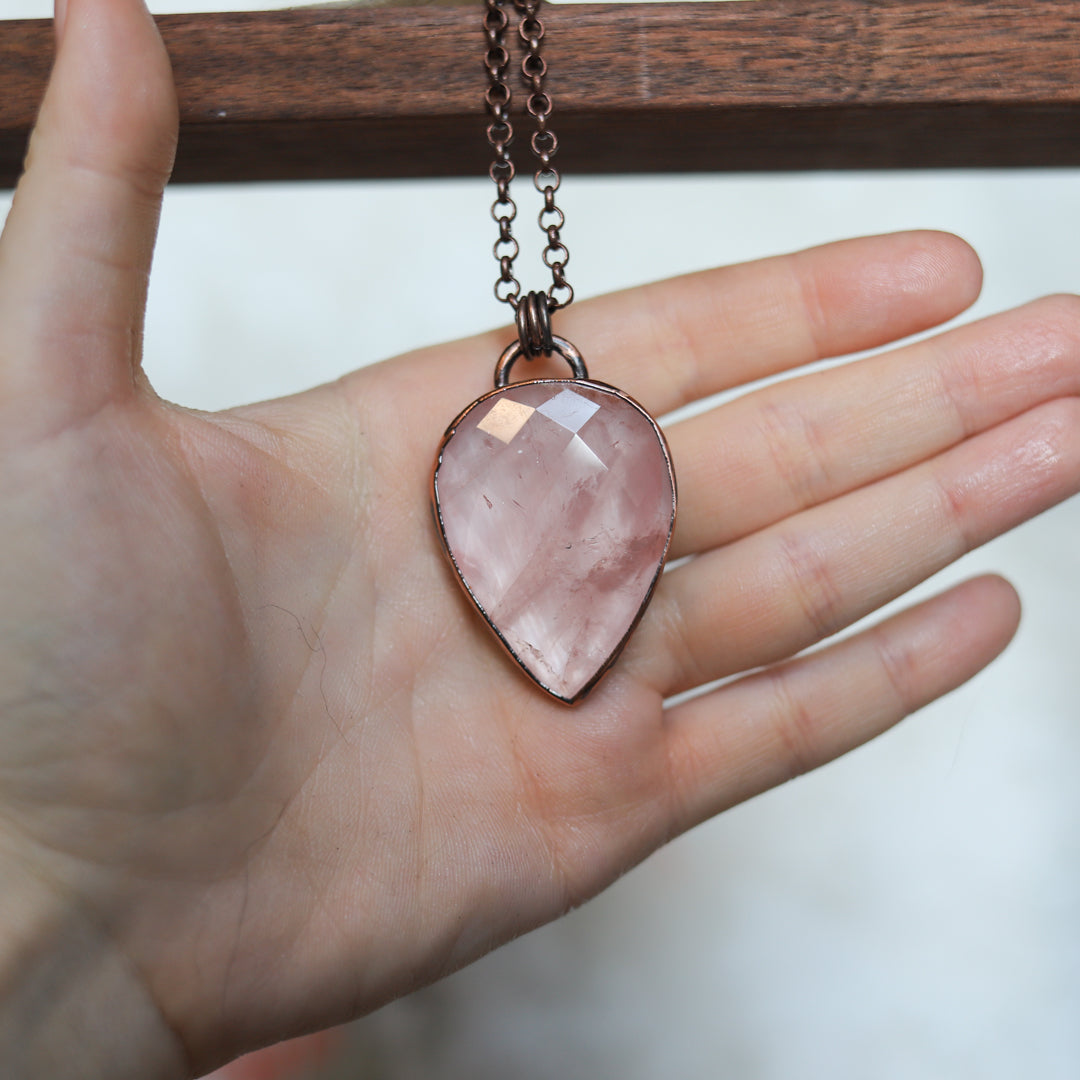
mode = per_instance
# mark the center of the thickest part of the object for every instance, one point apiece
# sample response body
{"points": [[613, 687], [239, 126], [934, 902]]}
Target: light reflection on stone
{"points": [[505, 419], [570, 409]]}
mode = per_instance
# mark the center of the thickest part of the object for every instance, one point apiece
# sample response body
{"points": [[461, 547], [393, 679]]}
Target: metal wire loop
{"points": [[533, 317], [514, 352]]}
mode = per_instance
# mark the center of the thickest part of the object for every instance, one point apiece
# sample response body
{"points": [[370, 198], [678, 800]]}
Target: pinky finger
{"points": [[737, 741]]}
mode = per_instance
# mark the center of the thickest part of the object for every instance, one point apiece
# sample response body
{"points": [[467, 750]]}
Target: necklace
{"points": [[554, 498]]}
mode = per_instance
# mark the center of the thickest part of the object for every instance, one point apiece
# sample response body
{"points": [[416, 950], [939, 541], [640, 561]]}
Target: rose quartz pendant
{"points": [[555, 501]]}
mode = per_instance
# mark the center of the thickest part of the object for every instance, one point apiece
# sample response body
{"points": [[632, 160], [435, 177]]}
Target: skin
{"points": [[262, 768]]}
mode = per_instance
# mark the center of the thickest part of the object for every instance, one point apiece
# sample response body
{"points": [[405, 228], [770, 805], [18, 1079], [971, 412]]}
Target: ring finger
{"points": [[775, 592]]}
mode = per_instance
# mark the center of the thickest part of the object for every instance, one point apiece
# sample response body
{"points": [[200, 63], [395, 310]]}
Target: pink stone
{"points": [[556, 501]]}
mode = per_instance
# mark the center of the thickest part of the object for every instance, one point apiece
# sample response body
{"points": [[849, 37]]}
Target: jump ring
{"points": [[514, 352]]}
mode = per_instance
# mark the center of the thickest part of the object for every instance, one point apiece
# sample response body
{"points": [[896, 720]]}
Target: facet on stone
{"points": [[505, 419], [556, 502], [569, 408]]}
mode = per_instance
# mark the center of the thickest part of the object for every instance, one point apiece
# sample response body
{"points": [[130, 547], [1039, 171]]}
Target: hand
{"points": [[261, 767]]}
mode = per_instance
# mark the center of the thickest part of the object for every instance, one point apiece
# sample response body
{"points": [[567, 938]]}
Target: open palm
{"points": [[258, 758]]}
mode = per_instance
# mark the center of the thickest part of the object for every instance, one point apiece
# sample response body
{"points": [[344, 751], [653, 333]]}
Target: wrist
{"points": [[71, 1004]]}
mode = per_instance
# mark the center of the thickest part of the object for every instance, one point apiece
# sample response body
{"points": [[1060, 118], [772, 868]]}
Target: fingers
{"points": [[676, 341], [776, 592], [744, 738], [75, 255], [790, 446], [686, 338]]}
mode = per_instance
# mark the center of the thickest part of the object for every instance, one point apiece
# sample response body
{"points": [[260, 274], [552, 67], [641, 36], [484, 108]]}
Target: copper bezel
{"points": [[451, 431]]}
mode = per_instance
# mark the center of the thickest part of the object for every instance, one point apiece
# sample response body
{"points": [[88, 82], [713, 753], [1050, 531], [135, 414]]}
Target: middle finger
{"points": [[795, 444]]}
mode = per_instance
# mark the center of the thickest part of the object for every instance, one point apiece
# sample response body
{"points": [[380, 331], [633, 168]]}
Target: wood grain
{"points": [[759, 84]]}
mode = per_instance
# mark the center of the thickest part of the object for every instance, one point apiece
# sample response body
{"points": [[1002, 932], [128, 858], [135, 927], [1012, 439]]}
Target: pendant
{"points": [[555, 502]]}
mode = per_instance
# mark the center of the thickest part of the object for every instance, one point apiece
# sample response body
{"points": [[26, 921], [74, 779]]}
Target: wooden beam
{"points": [[761, 84]]}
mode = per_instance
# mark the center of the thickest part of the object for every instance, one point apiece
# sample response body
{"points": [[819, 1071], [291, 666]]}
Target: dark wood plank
{"points": [[766, 84]]}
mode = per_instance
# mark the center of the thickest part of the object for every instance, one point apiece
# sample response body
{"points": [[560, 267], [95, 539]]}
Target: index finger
{"points": [[675, 341]]}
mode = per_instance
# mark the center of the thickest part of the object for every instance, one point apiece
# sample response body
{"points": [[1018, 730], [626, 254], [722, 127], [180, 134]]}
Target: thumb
{"points": [[75, 254]]}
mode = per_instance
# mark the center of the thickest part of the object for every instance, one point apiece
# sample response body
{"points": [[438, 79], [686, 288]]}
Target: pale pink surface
{"points": [[557, 516], [286, 1060]]}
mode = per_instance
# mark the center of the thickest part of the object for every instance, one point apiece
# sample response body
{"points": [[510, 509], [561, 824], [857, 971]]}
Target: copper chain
{"points": [[500, 134]]}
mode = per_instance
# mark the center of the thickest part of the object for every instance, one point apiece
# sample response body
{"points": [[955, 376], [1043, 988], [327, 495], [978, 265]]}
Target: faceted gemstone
{"points": [[556, 501]]}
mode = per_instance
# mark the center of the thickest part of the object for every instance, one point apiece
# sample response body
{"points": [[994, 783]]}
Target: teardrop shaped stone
{"points": [[556, 502]]}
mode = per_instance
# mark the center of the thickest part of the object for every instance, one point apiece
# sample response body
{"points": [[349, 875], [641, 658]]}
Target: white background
{"points": [[912, 911]]}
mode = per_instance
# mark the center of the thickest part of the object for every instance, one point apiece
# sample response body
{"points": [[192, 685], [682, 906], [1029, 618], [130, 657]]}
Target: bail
{"points": [[533, 316]]}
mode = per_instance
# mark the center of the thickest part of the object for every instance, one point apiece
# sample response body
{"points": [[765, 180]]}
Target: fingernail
{"points": [[59, 15]]}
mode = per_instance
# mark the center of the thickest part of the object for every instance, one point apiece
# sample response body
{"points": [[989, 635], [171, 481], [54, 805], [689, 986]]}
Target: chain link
{"points": [[544, 145]]}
